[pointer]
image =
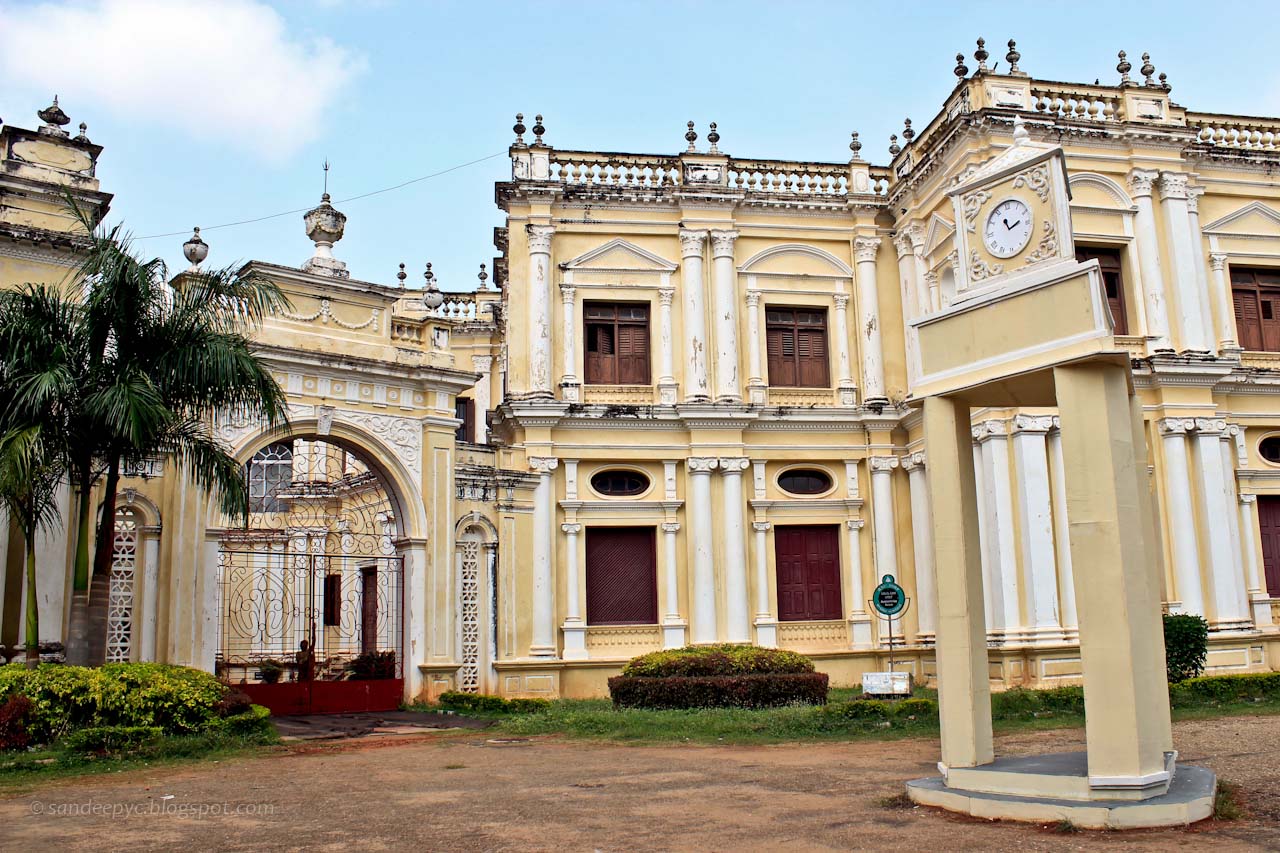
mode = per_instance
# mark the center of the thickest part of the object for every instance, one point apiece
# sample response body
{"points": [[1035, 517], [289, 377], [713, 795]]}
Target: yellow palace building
{"points": [[681, 409]]}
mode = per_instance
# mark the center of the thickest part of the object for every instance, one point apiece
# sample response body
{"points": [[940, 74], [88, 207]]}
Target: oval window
{"points": [[1269, 449], [619, 484], [804, 481]]}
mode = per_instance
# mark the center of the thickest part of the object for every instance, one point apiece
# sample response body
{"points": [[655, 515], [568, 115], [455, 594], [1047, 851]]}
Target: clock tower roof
{"points": [[1022, 153]]}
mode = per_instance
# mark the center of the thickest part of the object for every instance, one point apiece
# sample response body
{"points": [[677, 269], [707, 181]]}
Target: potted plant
{"points": [[269, 671]]}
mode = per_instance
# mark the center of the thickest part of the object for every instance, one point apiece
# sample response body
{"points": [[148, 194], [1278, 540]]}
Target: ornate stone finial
{"points": [[484, 278], [1020, 134], [855, 146], [1164, 81], [195, 250], [961, 69], [1012, 57], [54, 118], [894, 147], [1147, 70], [325, 225], [981, 55], [519, 129], [538, 130], [713, 137], [431, 295], [907, 133], [691, 136], [84, 134], [1124, 67], [429, 276], [401, 276]]}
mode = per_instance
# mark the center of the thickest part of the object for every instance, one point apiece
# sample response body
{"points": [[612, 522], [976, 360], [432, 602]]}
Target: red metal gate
{"points": [[311, 632]]}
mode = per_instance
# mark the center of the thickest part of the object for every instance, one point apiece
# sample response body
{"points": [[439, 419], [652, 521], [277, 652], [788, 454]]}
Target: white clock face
{"points": [[1008, 228]]}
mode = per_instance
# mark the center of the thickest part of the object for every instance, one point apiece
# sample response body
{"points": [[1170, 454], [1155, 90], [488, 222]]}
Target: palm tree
{"points": [[42, 347], [165, 364]]}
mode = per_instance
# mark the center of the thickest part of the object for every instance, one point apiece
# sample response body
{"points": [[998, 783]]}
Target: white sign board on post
{"points": [[886, 683]]}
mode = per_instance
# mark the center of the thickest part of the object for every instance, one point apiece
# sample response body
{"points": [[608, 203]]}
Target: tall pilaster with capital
{"points": [[544, 593], [667, 388], [540, 317], [1183, 256], [845, 386], [725, 287], [872, 351], [569, 383], [703, 569], [737, 603], [1147, 242], [692, 248]]}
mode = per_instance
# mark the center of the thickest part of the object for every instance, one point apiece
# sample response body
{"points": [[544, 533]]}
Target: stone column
{"points": [[755, 371], [922, 539], [1196, 237], [703, 611], [147, 615], [1002, 545], [1181, 514], [725, 287], [1147, 242], [737, 602], [1227, 447], [908, 287], [692, 246], [1127, 726], [1259, 599], [845, 386], [766, 624], [964, 683], [673, 623], [1182, 255], [575, 628], [1226, 305], [1224, 580], [1062, 529], [569, 384], [884, 538], [666, 348], [1040, 597], [540, 322], [859, 619], [544, 594], [864, 252], [482, 364]]}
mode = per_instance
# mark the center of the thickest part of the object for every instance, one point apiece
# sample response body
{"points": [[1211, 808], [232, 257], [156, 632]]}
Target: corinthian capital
{"points": [[1173, 185], [722, 243], [865, 249], [701, 464], [539, 237], [567, 292], [1141, 181], [842, 301], [692, 243], [665, 295], [1218, 261], [753, 298], [543, 464]]}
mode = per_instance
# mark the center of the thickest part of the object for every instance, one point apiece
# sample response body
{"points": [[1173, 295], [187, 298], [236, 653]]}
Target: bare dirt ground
{"points": [[471, 791]]}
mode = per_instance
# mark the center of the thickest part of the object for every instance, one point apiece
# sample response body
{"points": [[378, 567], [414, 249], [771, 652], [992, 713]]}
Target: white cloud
{"points": [[228, 70]]}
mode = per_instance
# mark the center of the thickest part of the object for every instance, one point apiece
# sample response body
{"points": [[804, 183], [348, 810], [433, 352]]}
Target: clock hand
{"points": [[1014, 225]]}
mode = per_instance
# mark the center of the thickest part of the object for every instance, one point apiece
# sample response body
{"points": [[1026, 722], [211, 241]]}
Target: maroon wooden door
{"points": [[622, 576], [808, 565], [1269, 529]]}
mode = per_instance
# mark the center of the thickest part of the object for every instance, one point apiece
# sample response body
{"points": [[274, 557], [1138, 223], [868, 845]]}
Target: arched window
{"points": [[124, 562], [270, 470], [619, 483], [804, 481]]}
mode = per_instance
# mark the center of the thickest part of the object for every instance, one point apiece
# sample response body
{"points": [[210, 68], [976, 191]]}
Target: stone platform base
{"points": [[1189, 799]]}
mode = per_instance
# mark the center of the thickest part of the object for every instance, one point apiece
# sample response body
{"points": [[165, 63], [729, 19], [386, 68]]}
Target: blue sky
{"points": [[213, 112]]}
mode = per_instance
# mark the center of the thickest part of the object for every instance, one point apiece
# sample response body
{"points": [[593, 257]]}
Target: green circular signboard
{"points": [[888, 597]]}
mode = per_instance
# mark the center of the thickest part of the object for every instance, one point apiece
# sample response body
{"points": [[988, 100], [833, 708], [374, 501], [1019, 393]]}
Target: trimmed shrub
{"points": [[1250, 687], [254, 721], [100, 740], [721, 659], [14, 714], [1018, 703], [478, 703], [175, 699], [920, 709], [373, 665], [859, 709], [719, 691], [235, 702], [1186, 645]]}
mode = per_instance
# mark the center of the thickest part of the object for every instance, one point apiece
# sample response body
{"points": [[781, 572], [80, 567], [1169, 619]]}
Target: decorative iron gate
{"points": [[311, 592]]}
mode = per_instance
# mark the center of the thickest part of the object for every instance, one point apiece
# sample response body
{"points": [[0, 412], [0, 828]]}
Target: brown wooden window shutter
{"points": [[796, 344], [465, 411], [1109, 263], [617, 343], [808, 566], [622, 576], [332, 600], [1255, 295]]}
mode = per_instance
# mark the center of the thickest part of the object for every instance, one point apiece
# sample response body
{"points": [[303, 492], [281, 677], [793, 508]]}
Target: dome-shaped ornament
{"points": [[431, 295], [1012, 57], [691, 136], [981, 55], [714, 138], [855, 145], [484, 278], [401, 276], [538, 130], [519, 129], [961, 69], [894, 147], [54, 119], [907, 132], [325, 226], [1147, 70], [1124, 67], [195, 250]]}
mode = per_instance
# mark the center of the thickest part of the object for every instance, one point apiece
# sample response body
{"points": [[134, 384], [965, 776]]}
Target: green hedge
{"points": [[713, 660], [719, 691], [479, 703], [96, 740], [917, 709], [1248, 687], [172, 699]]}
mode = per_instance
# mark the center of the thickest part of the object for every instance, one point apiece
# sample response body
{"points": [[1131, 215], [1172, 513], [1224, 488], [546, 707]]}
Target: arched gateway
{"points": [[311, 591]]}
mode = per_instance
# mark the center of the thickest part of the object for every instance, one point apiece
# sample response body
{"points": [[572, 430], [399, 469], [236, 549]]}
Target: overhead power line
{"points": [[339, 201]]}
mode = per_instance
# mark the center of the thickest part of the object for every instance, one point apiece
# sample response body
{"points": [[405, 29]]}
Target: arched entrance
{"points": [[311, 590]]}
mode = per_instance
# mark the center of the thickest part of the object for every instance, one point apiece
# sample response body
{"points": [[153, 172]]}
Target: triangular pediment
{"points": [[619, 255], [1023, 154], [1254, 219], [939, 229]]}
